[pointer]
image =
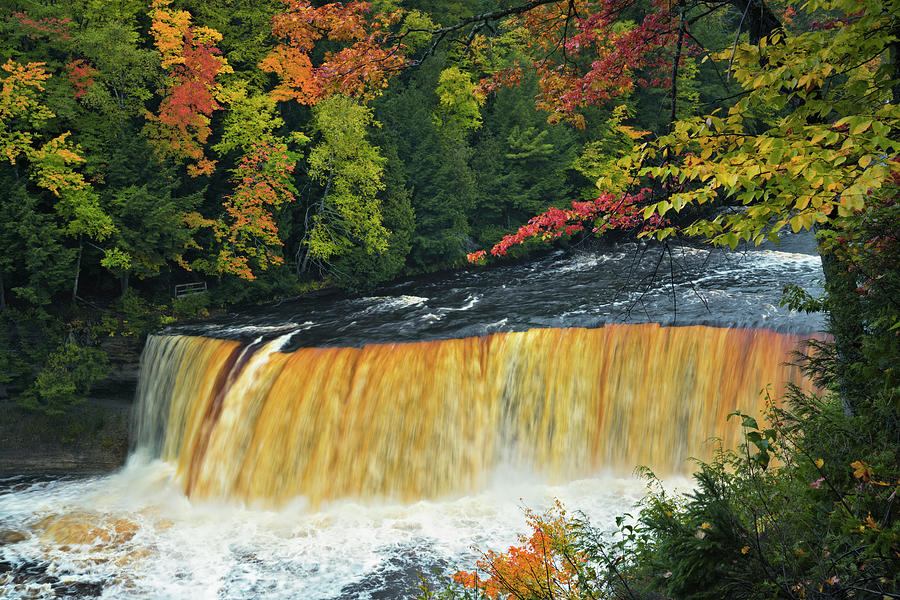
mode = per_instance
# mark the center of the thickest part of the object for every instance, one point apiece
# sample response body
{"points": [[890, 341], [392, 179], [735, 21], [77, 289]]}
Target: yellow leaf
{"points": [[861, 470], [861, 126], [819, 463], [865, 160]]}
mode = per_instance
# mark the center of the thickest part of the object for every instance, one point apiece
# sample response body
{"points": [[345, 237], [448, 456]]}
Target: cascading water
{"points": [[424, 420], [264, 469]]}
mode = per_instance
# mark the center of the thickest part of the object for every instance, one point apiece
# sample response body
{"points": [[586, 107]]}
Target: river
{"points": [[364, 516]]}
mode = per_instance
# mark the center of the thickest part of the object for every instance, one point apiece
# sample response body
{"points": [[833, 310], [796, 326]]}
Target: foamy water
{"points": [[160, 544]]}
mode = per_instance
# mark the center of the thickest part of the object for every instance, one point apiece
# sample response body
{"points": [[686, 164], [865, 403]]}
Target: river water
{"points": [[135, 534], [626, 283]]}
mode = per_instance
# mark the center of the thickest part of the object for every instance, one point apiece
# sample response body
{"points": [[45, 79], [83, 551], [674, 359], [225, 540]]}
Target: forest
{"points": [[153, 145], [269, 148]]}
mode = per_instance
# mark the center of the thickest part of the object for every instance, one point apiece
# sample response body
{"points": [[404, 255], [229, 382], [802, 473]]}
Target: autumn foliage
{"points": [[47, 27], [545, 564], [358, 70], [607, 212], [591, 33], [247, 231], [182, 125], [82, 76], [52, 162]]}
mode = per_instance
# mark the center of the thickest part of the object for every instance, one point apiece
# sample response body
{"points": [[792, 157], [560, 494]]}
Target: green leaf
{"points": [[861, 126]]}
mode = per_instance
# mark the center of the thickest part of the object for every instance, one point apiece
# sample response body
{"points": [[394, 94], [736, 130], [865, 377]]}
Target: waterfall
{"points": [[420, 420]]}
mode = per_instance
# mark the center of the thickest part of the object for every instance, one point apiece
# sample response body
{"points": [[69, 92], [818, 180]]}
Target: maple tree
{"points": [[829, 153], [621, 56], [52, 161], [607, 212], [247, 231], [194, 62], [50, 27], [358, 70], [545, 565], [81, 76], [554, 560]]}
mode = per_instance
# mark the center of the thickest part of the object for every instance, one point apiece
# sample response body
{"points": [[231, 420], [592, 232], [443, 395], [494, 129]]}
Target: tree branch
{"points": [[441, 32]]}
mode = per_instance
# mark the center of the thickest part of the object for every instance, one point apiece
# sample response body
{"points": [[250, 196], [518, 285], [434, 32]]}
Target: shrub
{"points": [[191, 307], [65, 378]]}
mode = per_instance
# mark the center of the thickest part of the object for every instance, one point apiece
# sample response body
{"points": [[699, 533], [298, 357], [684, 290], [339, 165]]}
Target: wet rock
{"points": [[400, 576], [86, 528], [11, 537], [77, 589]]}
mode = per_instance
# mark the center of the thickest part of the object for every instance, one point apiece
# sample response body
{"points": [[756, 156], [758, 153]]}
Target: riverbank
{"points": [[92, 442], [91, 438]]}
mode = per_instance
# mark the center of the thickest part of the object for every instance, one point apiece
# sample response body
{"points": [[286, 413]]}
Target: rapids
{"points": [[339, 448]]}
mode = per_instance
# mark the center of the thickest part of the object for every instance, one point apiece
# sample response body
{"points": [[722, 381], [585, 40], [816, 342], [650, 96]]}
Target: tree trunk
{"points": [[302, 267], [681, 28], [894, 57], [123, 281], [760, 19], [77, 269]]}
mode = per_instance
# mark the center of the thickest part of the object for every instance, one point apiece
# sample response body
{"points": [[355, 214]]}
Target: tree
{"points": [[359, 268], [247, 231], [36, 261], [828, 152], [522, 164], [116, 75], [50, 165], [440, 179], [350, 170], [360, 69], [459, 109], [194, 62]]}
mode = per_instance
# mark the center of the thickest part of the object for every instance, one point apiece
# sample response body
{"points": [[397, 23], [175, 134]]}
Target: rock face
{"points": [[93, 439], [91, 442]]}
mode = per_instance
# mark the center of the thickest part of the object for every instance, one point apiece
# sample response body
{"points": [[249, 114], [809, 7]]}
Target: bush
{"points": [[64, 380], [138, 317], [191, 307], [560, 558]]}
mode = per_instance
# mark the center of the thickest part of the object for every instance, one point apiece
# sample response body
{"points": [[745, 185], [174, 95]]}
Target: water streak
{"points": [[431, 419]]}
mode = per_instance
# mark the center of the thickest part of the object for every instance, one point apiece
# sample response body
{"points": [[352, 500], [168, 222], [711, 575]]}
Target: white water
{"points": [[187, 550]]}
